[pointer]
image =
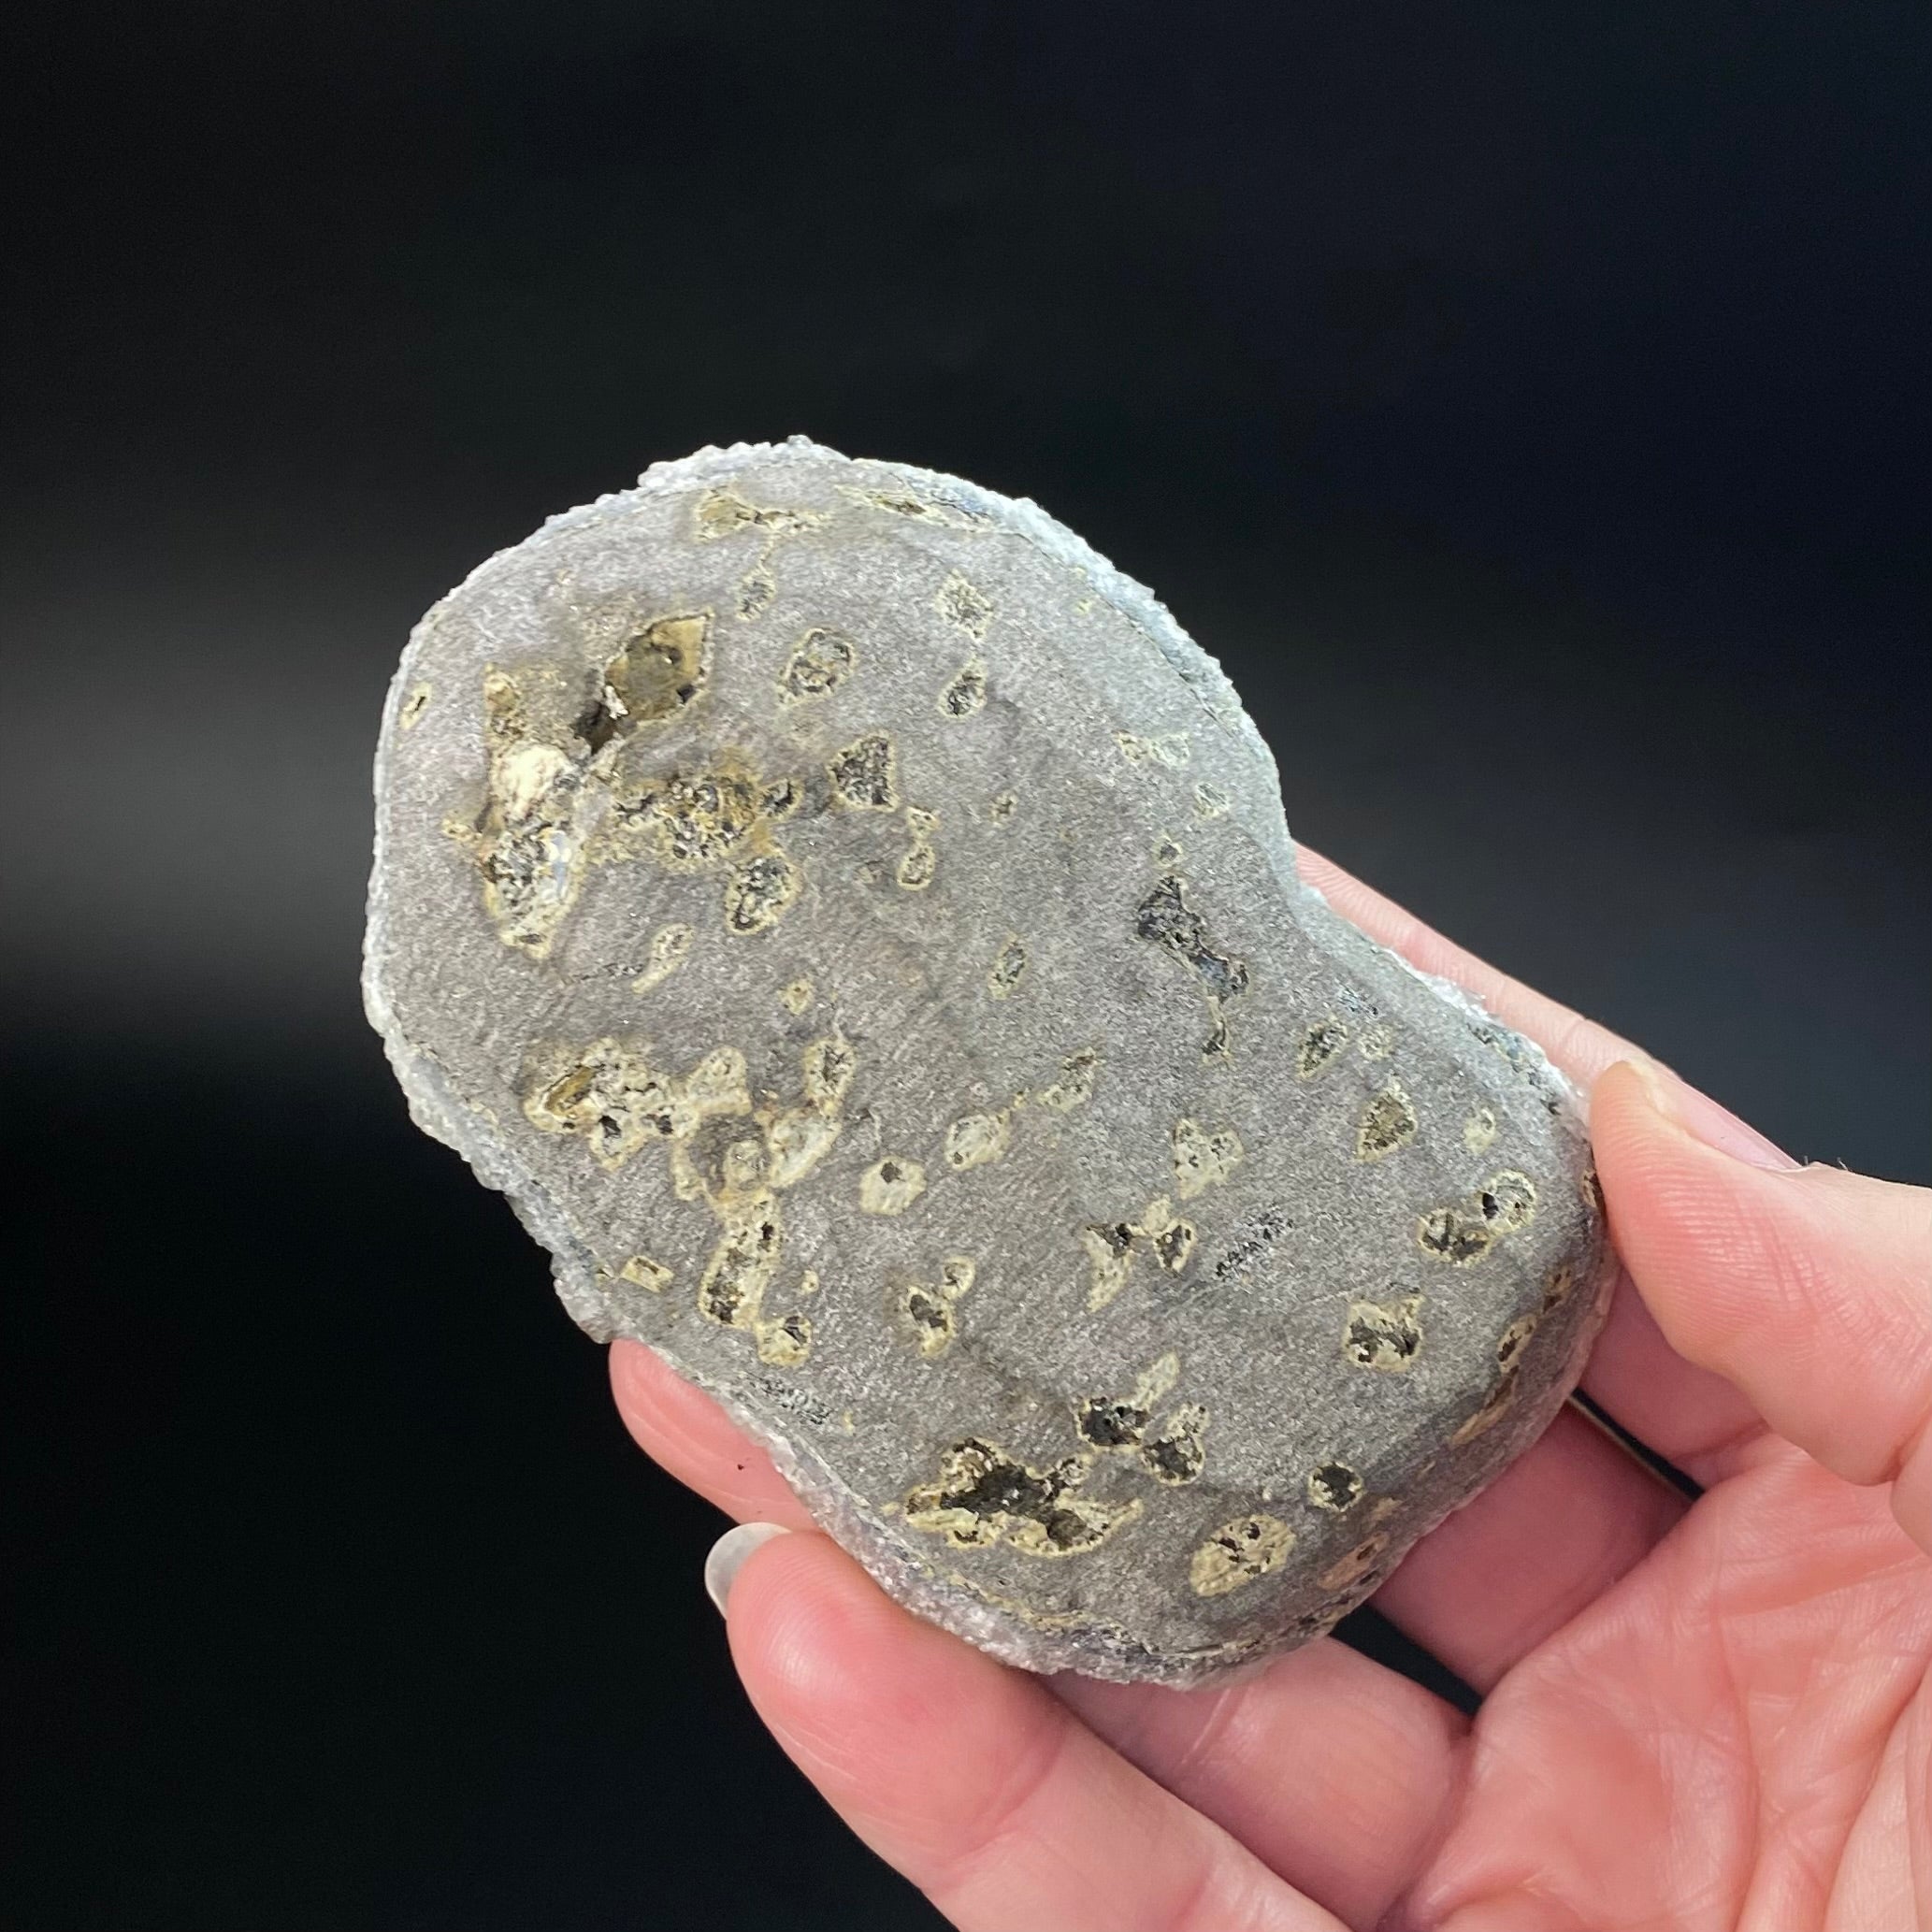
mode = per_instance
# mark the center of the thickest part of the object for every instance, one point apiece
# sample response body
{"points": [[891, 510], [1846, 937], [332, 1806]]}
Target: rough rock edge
{"points": [[903, 1576]]}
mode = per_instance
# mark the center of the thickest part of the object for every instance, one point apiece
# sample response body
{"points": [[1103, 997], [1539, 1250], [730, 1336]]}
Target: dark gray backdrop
{"points": [[1526, 403]]}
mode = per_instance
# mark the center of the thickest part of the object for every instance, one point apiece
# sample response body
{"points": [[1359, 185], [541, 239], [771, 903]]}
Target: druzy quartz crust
{"points": [[859, 932]]}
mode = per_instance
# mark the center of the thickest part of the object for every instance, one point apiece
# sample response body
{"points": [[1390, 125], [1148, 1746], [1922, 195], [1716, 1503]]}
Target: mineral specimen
{"points": [[858, 931]]}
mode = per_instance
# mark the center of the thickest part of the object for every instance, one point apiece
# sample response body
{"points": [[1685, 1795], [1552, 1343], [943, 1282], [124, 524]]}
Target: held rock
{"points": [[857, 930]]}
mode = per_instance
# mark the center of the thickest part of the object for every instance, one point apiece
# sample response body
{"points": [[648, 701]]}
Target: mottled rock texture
{"points": [[858, 931]]}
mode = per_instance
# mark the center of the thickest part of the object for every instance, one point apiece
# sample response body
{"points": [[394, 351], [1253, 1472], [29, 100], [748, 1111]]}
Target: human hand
{"points": [[1700, 1714]]}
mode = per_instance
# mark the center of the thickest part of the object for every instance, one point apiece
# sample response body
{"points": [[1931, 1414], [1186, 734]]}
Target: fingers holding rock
{"points": [[1808, 1288]]}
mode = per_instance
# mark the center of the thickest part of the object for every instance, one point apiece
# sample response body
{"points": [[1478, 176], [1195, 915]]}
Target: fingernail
{"points": [[1704, 1120], [728, 1556]]}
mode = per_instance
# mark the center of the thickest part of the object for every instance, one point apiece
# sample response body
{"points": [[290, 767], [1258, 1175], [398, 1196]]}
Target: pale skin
{"points": [[1694, 1715]]}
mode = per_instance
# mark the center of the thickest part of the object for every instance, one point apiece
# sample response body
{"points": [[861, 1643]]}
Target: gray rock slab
{"points": [[857, 930]]}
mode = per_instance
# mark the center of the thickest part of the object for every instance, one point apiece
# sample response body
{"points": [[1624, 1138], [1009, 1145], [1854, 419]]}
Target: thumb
{"points": [[1808, 1288]]}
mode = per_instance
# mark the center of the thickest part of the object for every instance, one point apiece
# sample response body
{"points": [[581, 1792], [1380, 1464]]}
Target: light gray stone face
{"points": [[857, 930]]}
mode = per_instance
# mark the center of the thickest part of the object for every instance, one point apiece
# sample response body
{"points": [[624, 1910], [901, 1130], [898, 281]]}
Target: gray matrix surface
{"points": [[857, 930]]}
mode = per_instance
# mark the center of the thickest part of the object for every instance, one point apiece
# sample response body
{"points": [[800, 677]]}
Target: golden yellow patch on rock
{"points": [[1375, 1337], [984, 1496], [1074, 1087], [646, 1273], [891, 1186], [1378, 1043], [1008, 968], [1465, 1233], [976, 1139], [964, 606], [828, 1064], [967, 691], [1356, 1565], [1238, 1553], [1335, 1487], [783, 1343], [1172, 750], [1202, 1160], [1320, 1047], [929, 1311], [1495, 1405], [1388, 1122], [821, 661], [670, 946], [1514, 1340]]}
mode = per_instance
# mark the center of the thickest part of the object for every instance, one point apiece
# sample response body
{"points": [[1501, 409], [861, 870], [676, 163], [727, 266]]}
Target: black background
{"points": [[1524, 401]]}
